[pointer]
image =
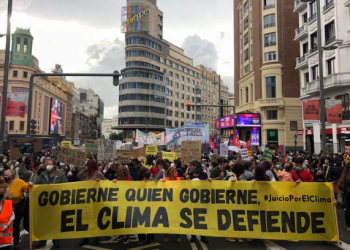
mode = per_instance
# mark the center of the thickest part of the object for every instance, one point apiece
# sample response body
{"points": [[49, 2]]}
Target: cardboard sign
{"points": [[268, 153], [123, 156], [190, 150], [224, 150], [66, 144], [70, 156], [91, 146], [171, 156], [244, 154], [25, 147], [151, 150], [106, 150], [118, 144], [138, 152]]}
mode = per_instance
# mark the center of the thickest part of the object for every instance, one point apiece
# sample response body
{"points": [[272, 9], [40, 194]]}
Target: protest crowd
{"points": [[17, 175]]}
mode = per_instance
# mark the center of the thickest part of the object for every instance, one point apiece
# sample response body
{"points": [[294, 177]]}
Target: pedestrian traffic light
{"points": [[33, 126], [188, 106], [115, 79]]}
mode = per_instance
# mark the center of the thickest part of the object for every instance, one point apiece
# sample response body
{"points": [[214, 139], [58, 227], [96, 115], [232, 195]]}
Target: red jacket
{"points": [[305, 176]]}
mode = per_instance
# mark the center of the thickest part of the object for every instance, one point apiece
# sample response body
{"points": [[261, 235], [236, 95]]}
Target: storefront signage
{"points": [[132, 16], [311, 111], [243, 120], [272, 136], [300, 132]]}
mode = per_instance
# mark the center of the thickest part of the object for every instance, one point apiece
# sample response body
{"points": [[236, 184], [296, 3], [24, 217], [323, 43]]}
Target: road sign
{"points": [[234, 116]]}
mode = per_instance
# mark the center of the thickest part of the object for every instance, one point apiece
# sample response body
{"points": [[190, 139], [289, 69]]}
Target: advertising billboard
{"points": [[255, 137], [135, 17], [56, 117], [243, 120]]}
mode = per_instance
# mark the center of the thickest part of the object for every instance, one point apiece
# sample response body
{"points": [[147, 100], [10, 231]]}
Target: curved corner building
{"points": [[158, 79]]}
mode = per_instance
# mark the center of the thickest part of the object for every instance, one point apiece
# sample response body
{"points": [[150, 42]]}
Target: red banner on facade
{"points": [[15, 108], [334, 111], [311, 111]]}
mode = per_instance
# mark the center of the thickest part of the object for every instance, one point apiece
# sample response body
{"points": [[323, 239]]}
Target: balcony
{"points": [[248, 107], [330, 41], [266, 7], [299, 6], [314, 49], [301, 62], [347, 3], [312, 18], [332, 82], [328, 6], [301, 33], [271, 102]]}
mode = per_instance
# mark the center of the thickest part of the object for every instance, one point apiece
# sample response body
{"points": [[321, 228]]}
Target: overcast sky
{"points": [[85, 36]]}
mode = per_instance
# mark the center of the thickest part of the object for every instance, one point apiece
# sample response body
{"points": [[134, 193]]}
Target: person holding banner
{"points": [[219, 172], [300, 174], [48, 177], [7, 216], [163, 167]]}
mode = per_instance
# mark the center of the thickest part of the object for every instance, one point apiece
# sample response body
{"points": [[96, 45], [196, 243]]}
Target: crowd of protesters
{"points": [[17, 175]]}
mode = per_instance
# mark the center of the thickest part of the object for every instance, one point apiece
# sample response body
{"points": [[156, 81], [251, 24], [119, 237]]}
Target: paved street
{"points": [[214, 243]]}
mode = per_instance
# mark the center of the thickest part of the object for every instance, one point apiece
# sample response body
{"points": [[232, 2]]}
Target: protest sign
{"points": [[190, 150], [259, 210], [106, 150], [268, 153], [311, 111], [244, 154], [138, 152], [171, 156], [70, 156], [20, 147], [224, 150], [123, 156], [151, 150], [66, 144], [188, 132], [91, 146], [118, 144]]}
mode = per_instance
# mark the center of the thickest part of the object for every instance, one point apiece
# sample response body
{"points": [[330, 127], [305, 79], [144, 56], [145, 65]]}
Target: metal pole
{"points": [[6, 75], [320, 66], [220, 108]]}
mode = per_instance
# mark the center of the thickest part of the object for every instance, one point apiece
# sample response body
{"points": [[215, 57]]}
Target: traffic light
{"points": [[115, 79], [33, 126], [231, 133], [188, 106]]}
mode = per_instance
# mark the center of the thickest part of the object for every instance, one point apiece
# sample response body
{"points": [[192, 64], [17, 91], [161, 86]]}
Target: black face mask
{"points": [[6, 179], [147, 175], [1, 196], [319, 176], [113, 171]]}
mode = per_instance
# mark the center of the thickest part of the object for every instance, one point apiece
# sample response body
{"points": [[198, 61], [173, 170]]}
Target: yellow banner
{"points": [[259, 210], [346, 159], [66, 144], [151, 150], [171, 156]]}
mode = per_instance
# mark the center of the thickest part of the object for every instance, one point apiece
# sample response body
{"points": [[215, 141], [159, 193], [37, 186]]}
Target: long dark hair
{"points": [[178, 163], [345, 174], [197, 167], [260, 173], [91, 168]]}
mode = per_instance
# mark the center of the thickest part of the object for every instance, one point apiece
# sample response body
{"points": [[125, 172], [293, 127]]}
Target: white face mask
{"points": [[4, 160], [49, 167]]}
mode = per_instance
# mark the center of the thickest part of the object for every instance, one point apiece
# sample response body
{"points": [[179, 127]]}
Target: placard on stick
{"points": [[25, 147], [71, 156], [190, 150], [244, 154], [123, 156], [91, 146], [151, 150], [106, 150]]}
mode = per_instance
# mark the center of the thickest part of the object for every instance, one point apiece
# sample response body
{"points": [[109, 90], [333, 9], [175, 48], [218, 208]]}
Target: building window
{"points": [[307, 77], [313, 39], [269, 21], [160, 18], [160, 27], [330, 66], [182, 115], [12, 125], [270, 56], [177, 76], [330, 33], [25, 45], [160, 37], [313, 8], [182, 96], [15, 73], [345, 105], [272, 115], [246, 94], [246, 54], [245, 8], [268, 4], [21, 126], [251, 92], [176, 104], [270, 39], [143, 41], [25, 74], [182, 78], [246, 69], [182, 87], [271, 87], [246, 38], [18, 44], [170, 73], [305, 48], [182, 105], [245, 23], [315, 73], [305, 18]]}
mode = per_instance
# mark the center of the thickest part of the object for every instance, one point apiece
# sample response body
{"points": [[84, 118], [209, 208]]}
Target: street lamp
{"points": [[320, 65]]}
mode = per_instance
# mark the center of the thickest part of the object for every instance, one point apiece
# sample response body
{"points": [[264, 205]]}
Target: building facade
{"points": [[335, 22], [22, 65], [266, 81], [107, 126], [92, 105], [158, 79]]}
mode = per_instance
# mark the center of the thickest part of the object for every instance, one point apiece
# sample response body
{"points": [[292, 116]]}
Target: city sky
{"points": [[85, 36]]}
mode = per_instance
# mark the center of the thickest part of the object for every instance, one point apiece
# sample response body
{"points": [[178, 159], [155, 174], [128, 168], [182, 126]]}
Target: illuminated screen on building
{"points": [[255, 137], [56, 117], [136, 17], [243, 120]]}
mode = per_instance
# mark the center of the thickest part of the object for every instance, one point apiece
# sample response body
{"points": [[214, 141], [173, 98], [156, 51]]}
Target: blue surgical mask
{"points": [[62, 164], [203, 165], [298, 169], [1, 169], [100, 162]]}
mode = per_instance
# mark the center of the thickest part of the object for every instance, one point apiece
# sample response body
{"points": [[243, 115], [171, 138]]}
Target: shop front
{"points": [[272, 139]]}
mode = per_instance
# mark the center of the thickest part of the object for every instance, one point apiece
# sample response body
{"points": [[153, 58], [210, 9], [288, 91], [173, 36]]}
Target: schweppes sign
{"points": [[128, 21]]}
